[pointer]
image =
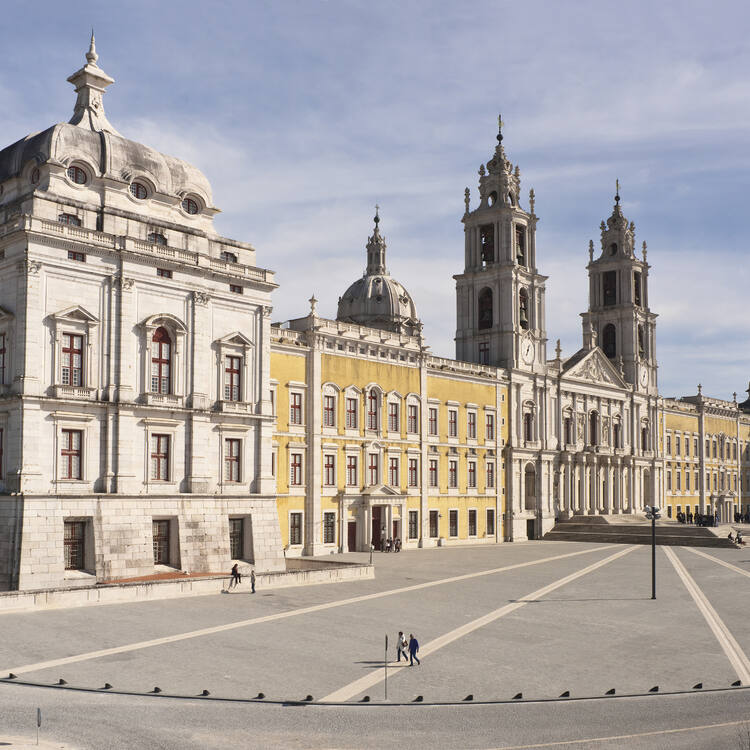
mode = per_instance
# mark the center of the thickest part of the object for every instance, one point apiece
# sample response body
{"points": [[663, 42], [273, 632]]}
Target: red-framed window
{"points": [[351, 471], [232, 377], [452, 423], [295, 528], [295, 466], [138, 190], [77, 175], [3, 355], [373, 468], [161, 360], [489, 427], [72, 359], [412, 418], [79, 257], [70, 454], [393, 471], [490, 475], [372, 410], [329, 527], [413, 472], [471, 425], [74, 539], [351, 413], [165, 273], [228, 257], [393, 418], [432, 420], [329, 411], [70, 219], [433, 472], [160, 458], [236, 289], [453, 474], [232, 460], [157, 238], [484, 353], [295, 408], [472, 474], [189, 206], [329, 470]]}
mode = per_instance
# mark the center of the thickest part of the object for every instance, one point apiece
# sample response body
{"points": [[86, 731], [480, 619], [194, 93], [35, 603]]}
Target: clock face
{"points": [[644, 378], [527, 351]]}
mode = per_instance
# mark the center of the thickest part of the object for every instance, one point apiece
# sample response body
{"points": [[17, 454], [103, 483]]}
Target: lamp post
{"points": [[652, 513]]}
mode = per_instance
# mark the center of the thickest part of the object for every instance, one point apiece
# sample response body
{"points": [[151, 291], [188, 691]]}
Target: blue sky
{"points": [[303, 115]]}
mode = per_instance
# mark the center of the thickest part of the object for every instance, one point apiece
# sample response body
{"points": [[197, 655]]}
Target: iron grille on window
{"points": [[74, 544], [236, 540]]}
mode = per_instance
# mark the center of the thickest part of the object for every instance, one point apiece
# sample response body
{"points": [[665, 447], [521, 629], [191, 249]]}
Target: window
{"points": [[393, 471], [609, 341], [433, 472], [490, 521], [70, 454], [236, 538], [295, 408], [352, 479], [644, 438], [70, 219], [329, 411], [329, 470], [160, 457], [165, 273], [156, 238], [669, 445], [695, 447], [568, 430], [490, 475], [231, 460], [637, 288], [190, 206], [78, 257], [434, 519], [696, 478], [372, 410], [678, 478], [228, 257], [413, 524], [453, 523], [472, 474], [74, 536], [489, 427], [609, 288], [453, 474], [295, 529], [413, 472], [528, 427], [412, 418], [295, 469], [487, 242], [351, 414], [708, 448], [72, 359], [373, 468], [432, 421], [669, 481], [235, 289], [161, 354], [521, 245], [77, 175], [471, 425], [232, 370], [138, 190], [329, 528], [714, 448], [641, 343], [617, 435], [593, 428], [452, 423], [523, 309], [687, 480], [472, 522], [393, 417], [484, 311]]}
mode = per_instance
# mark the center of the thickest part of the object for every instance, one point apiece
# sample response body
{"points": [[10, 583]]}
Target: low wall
{"points": [[300, 574]]}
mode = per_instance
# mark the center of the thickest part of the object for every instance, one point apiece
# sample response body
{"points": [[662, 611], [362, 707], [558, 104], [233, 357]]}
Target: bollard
{"points": [[566, 694], [366, 699], [654, 689], [737, 683], [61, 682], [205, 692], [260, 696], [107, 686], [518, 697], [610, 692], [156, 690], [418, 699], [698, 686], [308, 698], [11, 676], [469, 697]]}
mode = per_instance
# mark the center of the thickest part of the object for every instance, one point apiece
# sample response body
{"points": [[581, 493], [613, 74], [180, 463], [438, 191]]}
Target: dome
{"points": [[378, 300]]}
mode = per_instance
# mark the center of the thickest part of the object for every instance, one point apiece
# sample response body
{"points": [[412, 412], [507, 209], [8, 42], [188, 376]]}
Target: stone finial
{"points": [[700, 388], [500, 124], [734, 397], [313, 306], [644, 251], [467, 199], [481, 170], [603, 226], [91, 55], [617, 191], [558, 351], [591, 251], [532, 200]]}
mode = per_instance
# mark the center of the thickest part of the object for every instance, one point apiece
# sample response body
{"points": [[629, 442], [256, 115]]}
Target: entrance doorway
{"points": [[530, 528], [351, 536], [377, 526]]}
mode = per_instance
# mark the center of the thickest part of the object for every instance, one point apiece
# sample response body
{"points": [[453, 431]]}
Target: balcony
{"points": [[77, 392]]}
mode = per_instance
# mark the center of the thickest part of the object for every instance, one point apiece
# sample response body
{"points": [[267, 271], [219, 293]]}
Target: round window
{"points": [[190, 206], [77, 175], [35, 175], [138, 190]]}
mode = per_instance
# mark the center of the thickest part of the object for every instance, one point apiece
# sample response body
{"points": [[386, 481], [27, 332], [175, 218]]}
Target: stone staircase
{"points": [[637, 530]]}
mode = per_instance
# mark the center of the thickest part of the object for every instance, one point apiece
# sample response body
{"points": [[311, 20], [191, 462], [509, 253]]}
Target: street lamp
{"points": [[652, 514]]}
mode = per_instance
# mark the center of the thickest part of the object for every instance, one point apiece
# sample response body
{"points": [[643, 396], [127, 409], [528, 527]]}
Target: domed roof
{"points": [[378, 300]]}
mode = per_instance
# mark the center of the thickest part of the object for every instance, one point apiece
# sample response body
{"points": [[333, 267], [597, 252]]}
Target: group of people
{"points": [[738, 540], [236, 578], [411, 646], [390, 545], [742, 517], [700, 519]]}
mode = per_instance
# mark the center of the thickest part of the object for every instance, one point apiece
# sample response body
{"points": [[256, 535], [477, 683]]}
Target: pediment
{"points": [[236, 338], [78, 313], [594, 366], [380, 489]]}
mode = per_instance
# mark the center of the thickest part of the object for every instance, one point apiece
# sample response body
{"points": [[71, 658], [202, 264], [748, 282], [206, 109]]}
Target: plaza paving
{"points": [[537, 618]]}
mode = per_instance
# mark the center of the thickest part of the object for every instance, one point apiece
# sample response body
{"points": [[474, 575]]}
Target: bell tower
{"points": [[500, 294], [618, 312]]}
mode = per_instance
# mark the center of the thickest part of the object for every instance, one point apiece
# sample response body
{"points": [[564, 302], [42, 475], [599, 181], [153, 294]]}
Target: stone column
{"points": [[313, 419], [198, 427], [266, 483]]}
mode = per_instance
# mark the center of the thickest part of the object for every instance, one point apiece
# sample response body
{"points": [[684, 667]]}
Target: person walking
{"points": [[413, 648], [252, 581], [401, 646], [236, 577]]}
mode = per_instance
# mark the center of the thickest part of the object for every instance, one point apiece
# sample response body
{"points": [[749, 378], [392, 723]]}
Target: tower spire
{"points": [[376, 249], [91, 55]]}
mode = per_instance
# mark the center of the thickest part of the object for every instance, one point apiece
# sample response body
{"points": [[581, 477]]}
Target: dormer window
{"points": [[77, 175], [229, 257], [157, 239], [70, 219], [190, 206], [138, 190]]}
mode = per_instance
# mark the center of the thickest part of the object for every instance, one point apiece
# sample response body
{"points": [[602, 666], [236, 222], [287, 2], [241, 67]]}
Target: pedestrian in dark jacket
{"points": [[413, 648]]}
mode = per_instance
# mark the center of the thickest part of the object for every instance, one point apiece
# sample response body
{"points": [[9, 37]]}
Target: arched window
{"points": [[373, 412], [593, 428], [487, 240], [609, 340], [161, 356], [485, 309], [523, 309], [617, 434], [521, 245], [642, 351], [644, 436]]}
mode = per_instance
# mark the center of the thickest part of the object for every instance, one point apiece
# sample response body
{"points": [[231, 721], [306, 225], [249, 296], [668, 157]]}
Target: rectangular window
{"points": [[609, 287], [696, 477], [434, 518], [472, 522], [413, 524], [72, 359], [79, 257], [568, 426], [393, 418], [235, 289], [351, 471], [160, 530], [433, 473], [232, 370], [351, 414], [329, 528], [489, 428], [695, 447], [677, 445], [637, 288], [236, 540], [164, 273], [329, 411], [432, 421], [373, 468], [231, 460], [617, 436], [678, 479], [471, 425], [295, 408], [295, 469], [490, 475], [528, 427], [393, 471], [453, 474], [372, 410], [453, 523], [70, 454], [715, 483], [484, 353], [160, 457], [3, 352], [74, 536], [452, 423], [413, 473], [490, 522], [412, 418], [669, 445], [273, 463], [687, 480], [228, 257], [295, 529], [329, 470], [472, 474], [669, 481]]}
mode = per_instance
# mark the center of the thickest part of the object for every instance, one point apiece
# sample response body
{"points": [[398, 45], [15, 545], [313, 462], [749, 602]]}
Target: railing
{"points": [[238, 269], [74, 391]]}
